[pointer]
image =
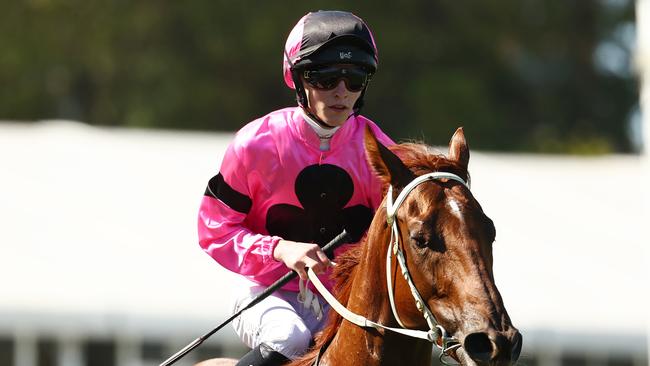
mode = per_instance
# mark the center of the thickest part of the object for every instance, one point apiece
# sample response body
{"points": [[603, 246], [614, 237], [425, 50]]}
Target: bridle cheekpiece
{"points": [[436, 331]]}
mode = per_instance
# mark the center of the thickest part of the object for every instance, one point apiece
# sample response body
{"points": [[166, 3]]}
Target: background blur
{"points": [[114, 115], [521, 75]]}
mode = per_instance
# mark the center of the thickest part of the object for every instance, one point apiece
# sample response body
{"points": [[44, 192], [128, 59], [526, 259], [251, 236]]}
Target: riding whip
{"points": [[343, 237]]}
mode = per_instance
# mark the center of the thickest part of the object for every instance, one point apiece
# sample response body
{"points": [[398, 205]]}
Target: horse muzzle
{"points": [[490, 348]]}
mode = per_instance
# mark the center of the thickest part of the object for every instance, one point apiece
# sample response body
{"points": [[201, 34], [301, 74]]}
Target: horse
{"points": [[441, 283]]}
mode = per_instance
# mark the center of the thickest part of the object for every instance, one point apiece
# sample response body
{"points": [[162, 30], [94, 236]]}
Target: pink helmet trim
{"points": [[291, 48]]}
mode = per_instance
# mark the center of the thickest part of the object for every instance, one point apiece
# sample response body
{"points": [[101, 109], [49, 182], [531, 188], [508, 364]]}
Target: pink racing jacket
{"points": [[275, 183]]}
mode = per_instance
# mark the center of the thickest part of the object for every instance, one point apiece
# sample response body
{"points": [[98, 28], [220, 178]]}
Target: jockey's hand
{"points": [[299, 256]]}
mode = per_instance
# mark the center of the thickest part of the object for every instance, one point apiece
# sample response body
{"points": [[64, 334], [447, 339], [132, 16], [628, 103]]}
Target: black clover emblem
{"points": [[323, 191]]}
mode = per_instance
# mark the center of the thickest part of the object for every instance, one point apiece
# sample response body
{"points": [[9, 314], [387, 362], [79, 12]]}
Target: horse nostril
{"points": [[478, 346]]}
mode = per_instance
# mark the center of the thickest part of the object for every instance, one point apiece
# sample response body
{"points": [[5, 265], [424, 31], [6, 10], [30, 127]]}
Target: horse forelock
{"points": [[422, 159]]}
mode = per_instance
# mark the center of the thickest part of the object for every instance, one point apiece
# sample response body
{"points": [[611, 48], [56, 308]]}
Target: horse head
{"points": [[446, 242]]}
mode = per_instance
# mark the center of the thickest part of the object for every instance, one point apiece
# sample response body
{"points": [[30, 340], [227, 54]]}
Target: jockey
{"points": [[291, 181]]}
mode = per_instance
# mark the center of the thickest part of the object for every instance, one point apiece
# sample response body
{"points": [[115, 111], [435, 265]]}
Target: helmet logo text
{"points": [[345, 55]]}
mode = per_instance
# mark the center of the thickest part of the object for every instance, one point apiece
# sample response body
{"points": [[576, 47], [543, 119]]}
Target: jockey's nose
{"points": [[341, 88], [493, 348]]}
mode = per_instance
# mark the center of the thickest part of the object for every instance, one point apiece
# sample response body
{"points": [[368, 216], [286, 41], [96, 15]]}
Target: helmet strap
{"points": [[301, 94], [359, 104], [301, 97], [316, 118], [303, 100]]}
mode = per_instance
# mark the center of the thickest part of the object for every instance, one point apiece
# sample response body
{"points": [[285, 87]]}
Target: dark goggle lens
{"points": [[328, 78]]}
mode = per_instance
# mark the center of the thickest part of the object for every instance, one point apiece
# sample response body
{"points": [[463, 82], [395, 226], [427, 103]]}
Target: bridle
{"points": [[436, 331]]}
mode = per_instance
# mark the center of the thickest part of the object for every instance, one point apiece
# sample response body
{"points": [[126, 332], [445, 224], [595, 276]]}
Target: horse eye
{"points": [[419, 240]]}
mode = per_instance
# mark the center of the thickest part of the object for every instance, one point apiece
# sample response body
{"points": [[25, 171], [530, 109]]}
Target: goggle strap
{"points": [[301, 95]]}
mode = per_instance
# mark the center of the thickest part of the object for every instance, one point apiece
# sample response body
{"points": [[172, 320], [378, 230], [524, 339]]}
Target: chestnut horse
{"points": [[444, 286]]}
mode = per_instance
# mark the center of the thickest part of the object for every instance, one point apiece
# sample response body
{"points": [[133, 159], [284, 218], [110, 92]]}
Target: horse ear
{"points": [[458, 149], [385, 163]]}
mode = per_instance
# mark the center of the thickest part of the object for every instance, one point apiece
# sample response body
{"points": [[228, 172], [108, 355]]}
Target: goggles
{"points": [[327, 78]]}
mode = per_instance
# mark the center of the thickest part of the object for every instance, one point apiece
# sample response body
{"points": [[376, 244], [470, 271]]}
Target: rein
{"points": [[436, 331]]}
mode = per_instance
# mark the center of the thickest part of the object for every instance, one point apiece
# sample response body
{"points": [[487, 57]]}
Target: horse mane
{"points": [[346, 265], [420, 159]]}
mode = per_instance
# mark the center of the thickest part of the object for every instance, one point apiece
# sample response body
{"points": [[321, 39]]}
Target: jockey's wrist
{"points": [[279, 250]]}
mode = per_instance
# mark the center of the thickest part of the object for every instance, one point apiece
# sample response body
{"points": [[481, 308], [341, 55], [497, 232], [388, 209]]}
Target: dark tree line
{"points": [[520, 75]]}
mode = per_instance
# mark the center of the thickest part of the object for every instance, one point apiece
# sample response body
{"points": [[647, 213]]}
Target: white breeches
{"points": [[280, 320]]}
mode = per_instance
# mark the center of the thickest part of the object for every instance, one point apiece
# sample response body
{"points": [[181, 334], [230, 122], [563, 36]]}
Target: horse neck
{"points": [[369, 294]]}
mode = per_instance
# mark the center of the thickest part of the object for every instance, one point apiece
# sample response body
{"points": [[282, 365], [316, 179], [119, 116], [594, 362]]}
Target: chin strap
{"points": [[315, 119]]}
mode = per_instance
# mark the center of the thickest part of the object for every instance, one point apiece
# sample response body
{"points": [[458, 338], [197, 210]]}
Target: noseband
{"points": [[436, 331]]}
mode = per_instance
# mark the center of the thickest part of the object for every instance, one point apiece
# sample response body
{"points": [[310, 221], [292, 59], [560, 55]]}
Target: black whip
{"points": [[343, 237]]}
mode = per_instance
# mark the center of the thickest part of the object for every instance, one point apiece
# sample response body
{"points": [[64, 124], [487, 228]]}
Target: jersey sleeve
{"points": [[222, 220]]}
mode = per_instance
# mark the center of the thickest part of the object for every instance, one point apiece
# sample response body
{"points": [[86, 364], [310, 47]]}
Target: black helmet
{"points": [[328, 37]]}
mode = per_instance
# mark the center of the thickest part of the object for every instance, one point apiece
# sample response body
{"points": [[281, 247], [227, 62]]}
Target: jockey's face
{"points": [[333, 106]]}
